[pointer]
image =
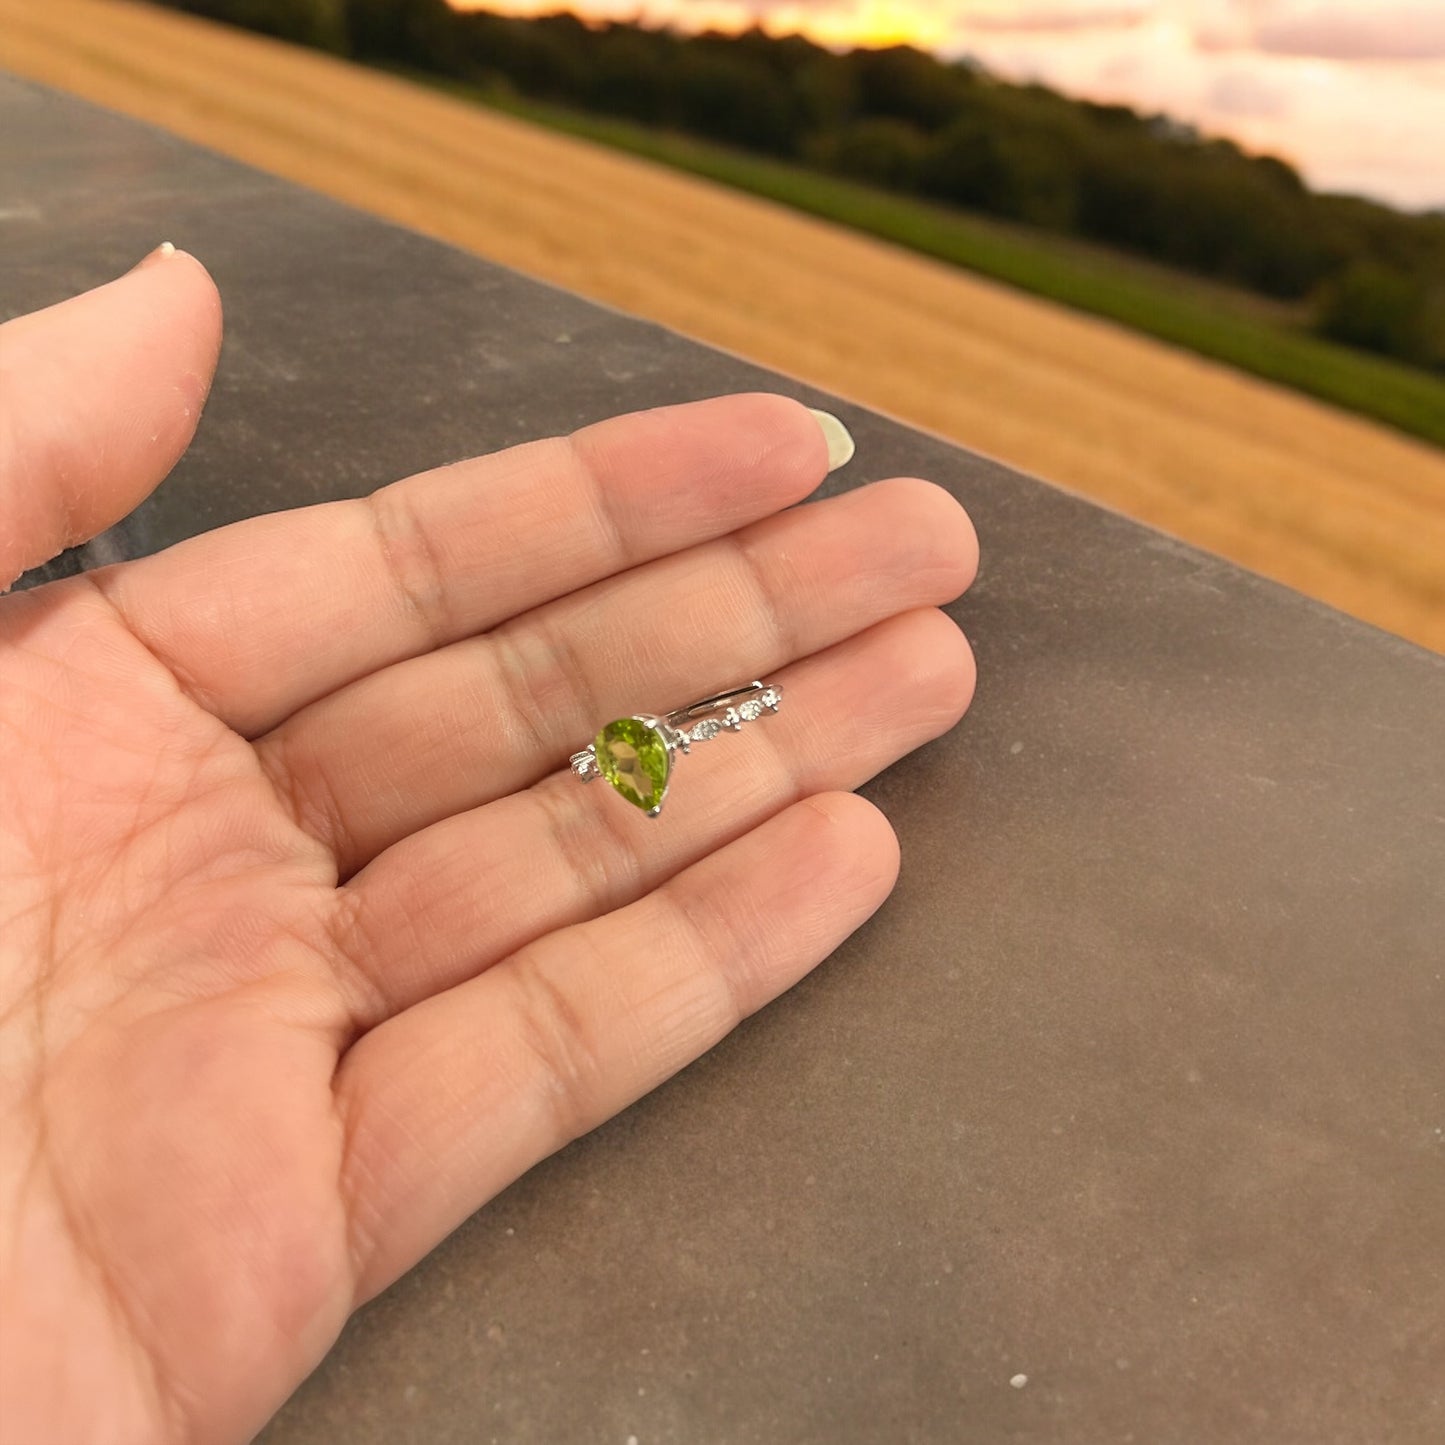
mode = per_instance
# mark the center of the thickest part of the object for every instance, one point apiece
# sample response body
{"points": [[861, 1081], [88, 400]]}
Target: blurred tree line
{"points": [[901, 119]]}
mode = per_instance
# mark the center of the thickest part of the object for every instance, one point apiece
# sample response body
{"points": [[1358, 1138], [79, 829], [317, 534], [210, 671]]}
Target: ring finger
{"points": [[452, 900]]}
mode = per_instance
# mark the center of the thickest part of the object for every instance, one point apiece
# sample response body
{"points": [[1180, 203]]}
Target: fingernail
{"points": [[840, 441], [163, 250]]}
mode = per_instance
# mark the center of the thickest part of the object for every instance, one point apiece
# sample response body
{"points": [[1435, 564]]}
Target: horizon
{"points": [[1351, 93]]}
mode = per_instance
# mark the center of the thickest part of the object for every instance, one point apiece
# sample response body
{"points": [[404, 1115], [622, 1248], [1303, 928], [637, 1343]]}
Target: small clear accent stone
{"points": [[709, 727], [771, 698], [752, 708], [731, 720]]}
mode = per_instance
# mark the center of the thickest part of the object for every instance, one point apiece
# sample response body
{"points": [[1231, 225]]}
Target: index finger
{"points": [[261, 617]]}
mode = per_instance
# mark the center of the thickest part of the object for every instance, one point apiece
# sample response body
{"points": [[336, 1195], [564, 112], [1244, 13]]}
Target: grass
{"points": [[1199, 315]]}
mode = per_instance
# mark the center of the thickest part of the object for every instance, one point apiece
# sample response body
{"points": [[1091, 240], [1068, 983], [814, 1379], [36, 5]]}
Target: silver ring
{"points": [[635, 754]]}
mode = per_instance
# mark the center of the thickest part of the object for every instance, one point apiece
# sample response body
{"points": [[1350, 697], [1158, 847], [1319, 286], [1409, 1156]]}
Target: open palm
{"points": [[310, 942]]}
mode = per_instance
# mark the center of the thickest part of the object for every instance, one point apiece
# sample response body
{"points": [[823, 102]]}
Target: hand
{"points": [[311, 943]]}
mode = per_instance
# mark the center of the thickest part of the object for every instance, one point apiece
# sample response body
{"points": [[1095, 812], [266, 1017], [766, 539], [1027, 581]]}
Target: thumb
{"points": [[99, 397]]}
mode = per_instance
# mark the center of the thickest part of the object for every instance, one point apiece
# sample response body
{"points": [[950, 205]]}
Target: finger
{"points": [[99, 396], [447, 903], [449, 1102], [261, 617], [477, 720]]}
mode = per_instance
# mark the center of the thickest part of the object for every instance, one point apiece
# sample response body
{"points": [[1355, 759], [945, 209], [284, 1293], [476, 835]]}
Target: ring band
{"points": [[635, 754]]}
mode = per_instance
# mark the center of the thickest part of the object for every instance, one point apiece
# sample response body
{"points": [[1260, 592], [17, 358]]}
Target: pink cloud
{"points": [[1355, 32], [1240, 92]]}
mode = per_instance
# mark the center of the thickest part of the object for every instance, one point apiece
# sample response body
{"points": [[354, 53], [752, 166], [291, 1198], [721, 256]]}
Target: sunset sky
{"points": [[1352, 91]]}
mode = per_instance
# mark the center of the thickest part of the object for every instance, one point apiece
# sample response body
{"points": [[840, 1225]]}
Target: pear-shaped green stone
{"points": [[634, 759]]}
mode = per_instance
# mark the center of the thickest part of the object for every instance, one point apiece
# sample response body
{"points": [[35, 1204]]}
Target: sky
{"points": [[1350, 91]]}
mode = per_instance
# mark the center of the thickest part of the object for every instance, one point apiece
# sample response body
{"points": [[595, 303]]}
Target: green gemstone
{"points": [[634, 759]]}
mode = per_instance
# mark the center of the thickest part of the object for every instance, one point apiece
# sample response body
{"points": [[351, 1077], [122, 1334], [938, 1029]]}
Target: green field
{"points": [[1237, 328]]}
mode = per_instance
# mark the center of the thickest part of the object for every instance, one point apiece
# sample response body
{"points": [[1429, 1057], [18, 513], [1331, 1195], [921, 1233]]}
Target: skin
{"points": [[309, 944]]}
